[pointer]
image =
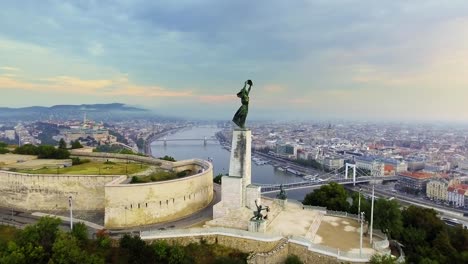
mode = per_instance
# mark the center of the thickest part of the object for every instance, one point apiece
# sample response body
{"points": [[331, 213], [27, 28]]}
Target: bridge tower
{"points": [[165, 141], [204, 141], [349, 165]]}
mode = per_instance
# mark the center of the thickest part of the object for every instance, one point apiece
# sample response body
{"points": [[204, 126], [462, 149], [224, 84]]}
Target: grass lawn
{"points": [[91, 168]]}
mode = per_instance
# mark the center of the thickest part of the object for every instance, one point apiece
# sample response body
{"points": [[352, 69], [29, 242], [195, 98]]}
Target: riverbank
{"points": [[152, 137], [280, 163]]}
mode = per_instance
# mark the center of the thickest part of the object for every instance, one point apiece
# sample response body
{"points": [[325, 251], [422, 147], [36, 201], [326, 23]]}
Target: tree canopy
{"points": [[62, 144], [43, 151], [45, 243], [333, 196], [387, 217], [76, 144]]}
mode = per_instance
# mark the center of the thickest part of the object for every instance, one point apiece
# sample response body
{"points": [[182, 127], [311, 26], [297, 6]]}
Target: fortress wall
{"points": [[130, 205], [51, 191]]}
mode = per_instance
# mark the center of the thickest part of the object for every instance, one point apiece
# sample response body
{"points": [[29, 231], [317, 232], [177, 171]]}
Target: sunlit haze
{"points": [[376, 60]]}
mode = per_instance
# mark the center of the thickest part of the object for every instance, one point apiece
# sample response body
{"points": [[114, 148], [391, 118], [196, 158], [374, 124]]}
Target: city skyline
{"points": [[308, 59]]}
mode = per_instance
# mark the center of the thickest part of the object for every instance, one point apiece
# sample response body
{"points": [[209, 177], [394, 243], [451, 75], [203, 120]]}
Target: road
{"points": [[21, 219], [405, 200]]}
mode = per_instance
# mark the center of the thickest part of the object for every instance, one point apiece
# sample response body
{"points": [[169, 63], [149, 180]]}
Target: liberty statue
{"points": [[241, 114]]}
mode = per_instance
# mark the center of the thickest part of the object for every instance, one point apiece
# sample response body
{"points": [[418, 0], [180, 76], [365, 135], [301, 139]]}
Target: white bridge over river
{"points": [[204, 140], [271, 188], [332, 177]]}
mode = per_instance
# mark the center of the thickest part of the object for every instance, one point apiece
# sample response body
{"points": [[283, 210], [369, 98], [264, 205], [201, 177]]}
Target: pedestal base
{"points": [[240, 162], [231, 192], [253, 193], [282, 203], [257, 226]]}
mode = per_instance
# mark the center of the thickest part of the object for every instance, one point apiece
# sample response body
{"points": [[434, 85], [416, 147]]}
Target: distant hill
{"points": [[104, 112]]}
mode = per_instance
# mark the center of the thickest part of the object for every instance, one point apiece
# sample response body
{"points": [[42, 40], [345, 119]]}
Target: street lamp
{"points": [[71, 211], [359, 203], [372, 212], [360, 238]]}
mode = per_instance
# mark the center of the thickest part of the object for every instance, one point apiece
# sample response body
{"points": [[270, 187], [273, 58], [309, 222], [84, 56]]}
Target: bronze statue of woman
{"points": [[241, 114]]}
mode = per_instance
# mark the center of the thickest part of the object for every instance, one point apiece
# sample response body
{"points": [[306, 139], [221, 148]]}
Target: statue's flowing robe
{"points": [[241, 114]]}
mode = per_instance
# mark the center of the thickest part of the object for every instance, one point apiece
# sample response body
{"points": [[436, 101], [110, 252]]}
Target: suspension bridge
{"points": [[327, 178], [204, 140]]}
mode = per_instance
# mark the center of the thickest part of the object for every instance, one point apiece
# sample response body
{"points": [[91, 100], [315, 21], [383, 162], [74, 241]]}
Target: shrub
{"points": [[4, 151], [293, 259], [80, 232]]}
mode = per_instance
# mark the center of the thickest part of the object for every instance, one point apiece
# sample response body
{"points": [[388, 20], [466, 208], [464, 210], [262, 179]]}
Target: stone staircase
{"points": [[314, 226], [275, 256]]}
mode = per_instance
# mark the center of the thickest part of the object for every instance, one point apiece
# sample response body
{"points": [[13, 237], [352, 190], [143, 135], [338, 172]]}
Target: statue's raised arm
{"points": [[241, 114]]}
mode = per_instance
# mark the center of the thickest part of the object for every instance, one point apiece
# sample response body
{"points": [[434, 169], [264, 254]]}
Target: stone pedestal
{"points": [[253, 193], [282, 203], [240, 162], [257, 226], [231, 192], [236, 189]]}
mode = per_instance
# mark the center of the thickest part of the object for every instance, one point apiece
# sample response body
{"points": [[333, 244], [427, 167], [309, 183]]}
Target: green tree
{"points": [[168, 158], [387, 217], [66, 250], [365, 205], [332, 196], [443, 251], [80, 232], [76, 144], [293, 259], [161, 250], [15, 254], [4, 151], [424, 219], [41, 235], [382, 259], [459, 238], [176, 255], [137, 250], [217, 179], [27, 149], [62, 144]]}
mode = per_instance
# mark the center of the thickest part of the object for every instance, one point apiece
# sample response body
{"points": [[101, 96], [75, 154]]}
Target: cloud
{"points": [[96, 49], [120, 86], [10, 69], [273, 88], [398, 57], [217, 99]]}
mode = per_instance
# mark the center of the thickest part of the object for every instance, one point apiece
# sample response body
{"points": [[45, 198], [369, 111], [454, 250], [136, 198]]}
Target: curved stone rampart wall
{"points": [[124, 204], [51, 191], [130, 205]]}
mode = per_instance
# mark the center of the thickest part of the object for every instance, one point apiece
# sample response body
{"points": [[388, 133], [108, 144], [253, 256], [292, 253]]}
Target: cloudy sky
{"points": [[366, 59]]}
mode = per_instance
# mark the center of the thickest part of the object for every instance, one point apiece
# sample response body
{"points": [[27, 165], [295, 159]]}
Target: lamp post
{"points": [[359, 203], [70, 203], [360, 237], [372, 213]]}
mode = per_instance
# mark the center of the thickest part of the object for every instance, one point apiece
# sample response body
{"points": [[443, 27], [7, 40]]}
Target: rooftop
{"points": [[417, 175]]}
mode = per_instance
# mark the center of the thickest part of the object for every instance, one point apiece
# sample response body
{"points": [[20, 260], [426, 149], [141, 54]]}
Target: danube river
{"points": [[181, 150]]}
